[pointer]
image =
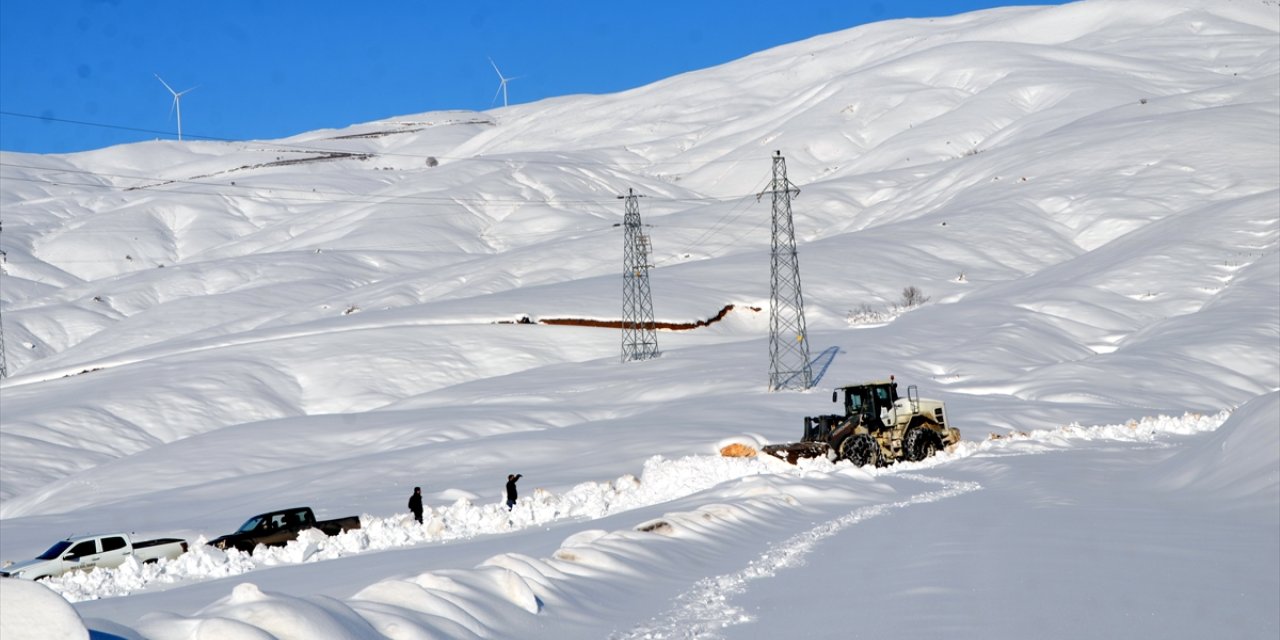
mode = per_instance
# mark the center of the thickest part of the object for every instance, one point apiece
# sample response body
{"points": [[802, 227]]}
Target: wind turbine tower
{"points": [[177, 102], [502, 83]]}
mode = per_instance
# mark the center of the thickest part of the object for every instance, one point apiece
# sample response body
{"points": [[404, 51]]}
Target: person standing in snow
{"points": [[511, 490], [415, 504]]}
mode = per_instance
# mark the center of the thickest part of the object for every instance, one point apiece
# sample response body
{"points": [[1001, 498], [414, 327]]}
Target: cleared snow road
{"points": [[706, 608], [663, 481]]}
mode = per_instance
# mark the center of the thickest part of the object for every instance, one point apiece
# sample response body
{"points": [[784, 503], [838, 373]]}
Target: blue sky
{"points": [[271, 68]]}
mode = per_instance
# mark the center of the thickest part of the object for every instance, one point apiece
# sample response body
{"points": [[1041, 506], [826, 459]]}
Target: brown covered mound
{"points": [[736, 450], [617, 324]]}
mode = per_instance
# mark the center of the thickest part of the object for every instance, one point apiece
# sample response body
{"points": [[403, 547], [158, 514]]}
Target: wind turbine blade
{"points": [[501, 86], [495, 68], [172, 105], [188, 90], [166, 84]]}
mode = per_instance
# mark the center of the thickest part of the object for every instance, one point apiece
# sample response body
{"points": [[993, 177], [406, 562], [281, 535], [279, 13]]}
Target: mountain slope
{"points": [[1087, 194]]}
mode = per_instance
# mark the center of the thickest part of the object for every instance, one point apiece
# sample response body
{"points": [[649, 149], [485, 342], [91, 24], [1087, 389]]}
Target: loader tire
{"points": [[920, 443], [861, 450]]}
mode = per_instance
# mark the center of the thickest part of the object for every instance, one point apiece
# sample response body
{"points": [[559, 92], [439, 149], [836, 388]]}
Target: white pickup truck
{"points": [[86, 552]]}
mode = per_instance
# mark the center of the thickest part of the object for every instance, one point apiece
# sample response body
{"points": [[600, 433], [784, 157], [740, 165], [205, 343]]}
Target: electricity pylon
{"points": [[789, 366], [639, 335], [4, 364]]}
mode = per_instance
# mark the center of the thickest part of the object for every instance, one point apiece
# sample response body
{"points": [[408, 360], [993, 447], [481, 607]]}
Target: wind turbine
{"points": [[502, 84], [177, 102]]}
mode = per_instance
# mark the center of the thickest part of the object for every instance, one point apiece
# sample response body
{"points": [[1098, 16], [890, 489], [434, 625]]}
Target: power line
{"points": [[312, 196], [416, 201], [724, 221], [102, 125], [285, 145], [572, 235], [389, 200], [161, 182], [576, 231], [346, 197]]}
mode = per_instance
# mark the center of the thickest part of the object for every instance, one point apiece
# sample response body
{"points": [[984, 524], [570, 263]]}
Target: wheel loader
{"points": [[877, 427]]}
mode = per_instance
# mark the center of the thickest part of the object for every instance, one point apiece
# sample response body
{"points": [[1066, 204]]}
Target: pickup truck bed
{"points": [[147, 544]]}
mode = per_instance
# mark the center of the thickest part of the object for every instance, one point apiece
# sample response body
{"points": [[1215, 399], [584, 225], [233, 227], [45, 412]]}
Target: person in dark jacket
{"points": [[415, 504], [511, 490]]}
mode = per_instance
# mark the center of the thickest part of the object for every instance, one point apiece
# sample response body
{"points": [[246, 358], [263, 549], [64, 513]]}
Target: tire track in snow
{"points": [[705, 609]]}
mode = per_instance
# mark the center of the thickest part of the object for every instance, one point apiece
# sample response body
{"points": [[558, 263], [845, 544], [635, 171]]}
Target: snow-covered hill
{"points": [[1088, 194]]}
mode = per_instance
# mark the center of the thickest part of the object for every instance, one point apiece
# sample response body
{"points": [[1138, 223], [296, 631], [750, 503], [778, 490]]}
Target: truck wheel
{"points": [[919, 444], [861, 450]]}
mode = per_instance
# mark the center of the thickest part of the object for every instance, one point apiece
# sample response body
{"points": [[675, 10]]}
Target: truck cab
{"points": [[871, 402], [278, 527], [87, 554]]}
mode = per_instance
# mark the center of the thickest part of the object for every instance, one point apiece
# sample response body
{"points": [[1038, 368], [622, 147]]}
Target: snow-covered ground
{"points": [[1089, 195]]}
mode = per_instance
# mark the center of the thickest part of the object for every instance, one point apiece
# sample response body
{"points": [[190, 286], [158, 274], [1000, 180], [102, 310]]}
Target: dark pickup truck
{"points": [[276, 528]]}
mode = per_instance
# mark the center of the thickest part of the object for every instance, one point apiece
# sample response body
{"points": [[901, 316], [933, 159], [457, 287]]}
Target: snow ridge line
{"points": [[705, 609]]}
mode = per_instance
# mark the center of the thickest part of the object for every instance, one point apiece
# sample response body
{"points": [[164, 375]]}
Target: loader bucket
{"points": [[793, 451]]}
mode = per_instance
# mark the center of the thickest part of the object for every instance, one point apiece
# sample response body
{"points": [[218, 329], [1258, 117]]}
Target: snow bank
{"points": [[662, 480], [1147, 429], [252, 614], [1237, 466], [30, 611], [461, 603], [444, 603]]}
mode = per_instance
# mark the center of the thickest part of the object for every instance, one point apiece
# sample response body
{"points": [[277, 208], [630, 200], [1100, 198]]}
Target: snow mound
{"points": [[249, 613], [30, 611], [1238, 465]]}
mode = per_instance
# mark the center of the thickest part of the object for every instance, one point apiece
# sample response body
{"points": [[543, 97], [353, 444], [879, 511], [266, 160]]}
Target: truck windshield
{"points": [[54, 551], [250, 524]]}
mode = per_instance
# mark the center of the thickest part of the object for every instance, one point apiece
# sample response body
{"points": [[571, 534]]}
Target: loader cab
{"points": [[869, 400]]}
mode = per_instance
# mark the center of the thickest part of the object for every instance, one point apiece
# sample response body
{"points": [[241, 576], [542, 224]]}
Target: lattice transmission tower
{"points": [[789, 366], [639, 335], [4, 364]]}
